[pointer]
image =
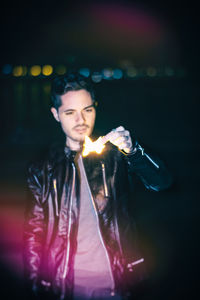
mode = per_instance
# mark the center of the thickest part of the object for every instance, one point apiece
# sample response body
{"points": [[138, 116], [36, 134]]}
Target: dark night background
{"points": [[160, 107]]}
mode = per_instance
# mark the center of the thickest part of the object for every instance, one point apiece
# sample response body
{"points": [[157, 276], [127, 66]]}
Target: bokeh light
{"points": [[117, 74], [7, 69], [169, 71], [107, 73], [60, 69], [35, 70], [151, 72], [47, 70], [96, 77], [85, 72], [18, 71], [132, 72]]}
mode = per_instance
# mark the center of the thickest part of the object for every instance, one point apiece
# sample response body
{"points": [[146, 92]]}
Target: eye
{"points": [[68, 113], [88, 109]]}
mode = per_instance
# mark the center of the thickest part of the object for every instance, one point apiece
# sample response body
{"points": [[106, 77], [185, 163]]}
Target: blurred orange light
{"points": [[18, 71], [35, 70], [47, 70]]}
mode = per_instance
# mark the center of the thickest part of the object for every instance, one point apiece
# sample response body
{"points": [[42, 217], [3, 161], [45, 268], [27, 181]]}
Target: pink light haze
{"points": [[127, 19]]}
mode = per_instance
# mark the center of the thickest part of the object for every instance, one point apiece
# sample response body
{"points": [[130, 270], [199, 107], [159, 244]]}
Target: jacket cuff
{"points": [[136, 153], [139, 158]]}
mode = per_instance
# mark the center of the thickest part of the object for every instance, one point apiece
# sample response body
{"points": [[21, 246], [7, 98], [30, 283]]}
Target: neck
{"points": [[73, 145]]}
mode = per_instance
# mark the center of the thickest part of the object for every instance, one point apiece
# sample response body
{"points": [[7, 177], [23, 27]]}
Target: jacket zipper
{"points": [[151, 160], [104, 179], [100, 235], [56, 197], [68, 236], [148, 157]]}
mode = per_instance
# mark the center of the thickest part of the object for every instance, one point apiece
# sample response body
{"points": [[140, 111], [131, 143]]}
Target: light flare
{"points": [[98, 145], [90, 146]]}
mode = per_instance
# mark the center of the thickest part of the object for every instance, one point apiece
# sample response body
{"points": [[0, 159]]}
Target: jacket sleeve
{"points": [[150, 169], [34, 228]]}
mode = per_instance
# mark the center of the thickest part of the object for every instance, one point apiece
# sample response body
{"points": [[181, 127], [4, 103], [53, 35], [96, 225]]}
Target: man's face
{"points": [[76, 115]]}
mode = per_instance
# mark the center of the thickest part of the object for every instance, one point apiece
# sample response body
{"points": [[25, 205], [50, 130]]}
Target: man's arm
{"points": [[149, 168], [34, 226]]}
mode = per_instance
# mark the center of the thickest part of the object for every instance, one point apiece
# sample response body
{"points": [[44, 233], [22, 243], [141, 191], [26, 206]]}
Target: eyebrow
{"points": [[71, 109]]}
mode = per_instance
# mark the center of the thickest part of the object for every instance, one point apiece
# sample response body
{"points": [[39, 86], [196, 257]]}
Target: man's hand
{"points": [[121, 138]]}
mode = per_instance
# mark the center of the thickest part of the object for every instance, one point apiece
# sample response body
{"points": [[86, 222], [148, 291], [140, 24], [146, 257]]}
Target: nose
{"points": [[80, 118]]}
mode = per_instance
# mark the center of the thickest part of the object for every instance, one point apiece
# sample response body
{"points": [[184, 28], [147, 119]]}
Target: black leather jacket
{"points": [[51, 221]]}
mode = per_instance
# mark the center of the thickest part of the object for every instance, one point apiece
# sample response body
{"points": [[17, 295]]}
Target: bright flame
{"points": [[90, 146]]}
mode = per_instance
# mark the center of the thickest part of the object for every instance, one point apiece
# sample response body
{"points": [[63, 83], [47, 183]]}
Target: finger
{"points": [[111, 135], [120, 138], [120, 128], [118, 141], [115, 134], [126, 133], [127, 150], [107, 137], [124, 145]]}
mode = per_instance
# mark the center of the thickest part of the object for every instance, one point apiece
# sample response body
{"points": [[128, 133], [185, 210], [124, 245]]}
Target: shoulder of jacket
{"points": [[47, 160]]}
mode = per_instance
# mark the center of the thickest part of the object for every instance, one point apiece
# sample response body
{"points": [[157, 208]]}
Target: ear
{"points": [[55, 114]]}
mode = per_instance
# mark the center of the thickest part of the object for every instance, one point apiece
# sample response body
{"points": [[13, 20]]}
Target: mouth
{"points": [[81, 130]]}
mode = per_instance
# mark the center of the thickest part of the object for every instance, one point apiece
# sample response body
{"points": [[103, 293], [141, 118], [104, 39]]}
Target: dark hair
{"points": [[69, 82]]}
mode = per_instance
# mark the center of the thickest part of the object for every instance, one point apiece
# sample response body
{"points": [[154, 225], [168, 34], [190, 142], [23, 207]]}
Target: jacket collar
{"points": [[70, 154]]}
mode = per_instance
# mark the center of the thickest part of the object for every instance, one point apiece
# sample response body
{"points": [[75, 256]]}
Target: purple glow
{"points": [[127, 19], [11, 226]]}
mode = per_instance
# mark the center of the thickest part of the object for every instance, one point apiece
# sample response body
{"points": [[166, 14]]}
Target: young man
{"points": [[79, 238]]}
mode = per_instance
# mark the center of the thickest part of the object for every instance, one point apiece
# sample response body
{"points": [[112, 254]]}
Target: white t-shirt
{"points": [[91, 265]]}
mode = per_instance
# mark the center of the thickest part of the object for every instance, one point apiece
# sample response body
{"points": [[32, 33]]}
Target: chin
{"points": [[80, 138]]}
